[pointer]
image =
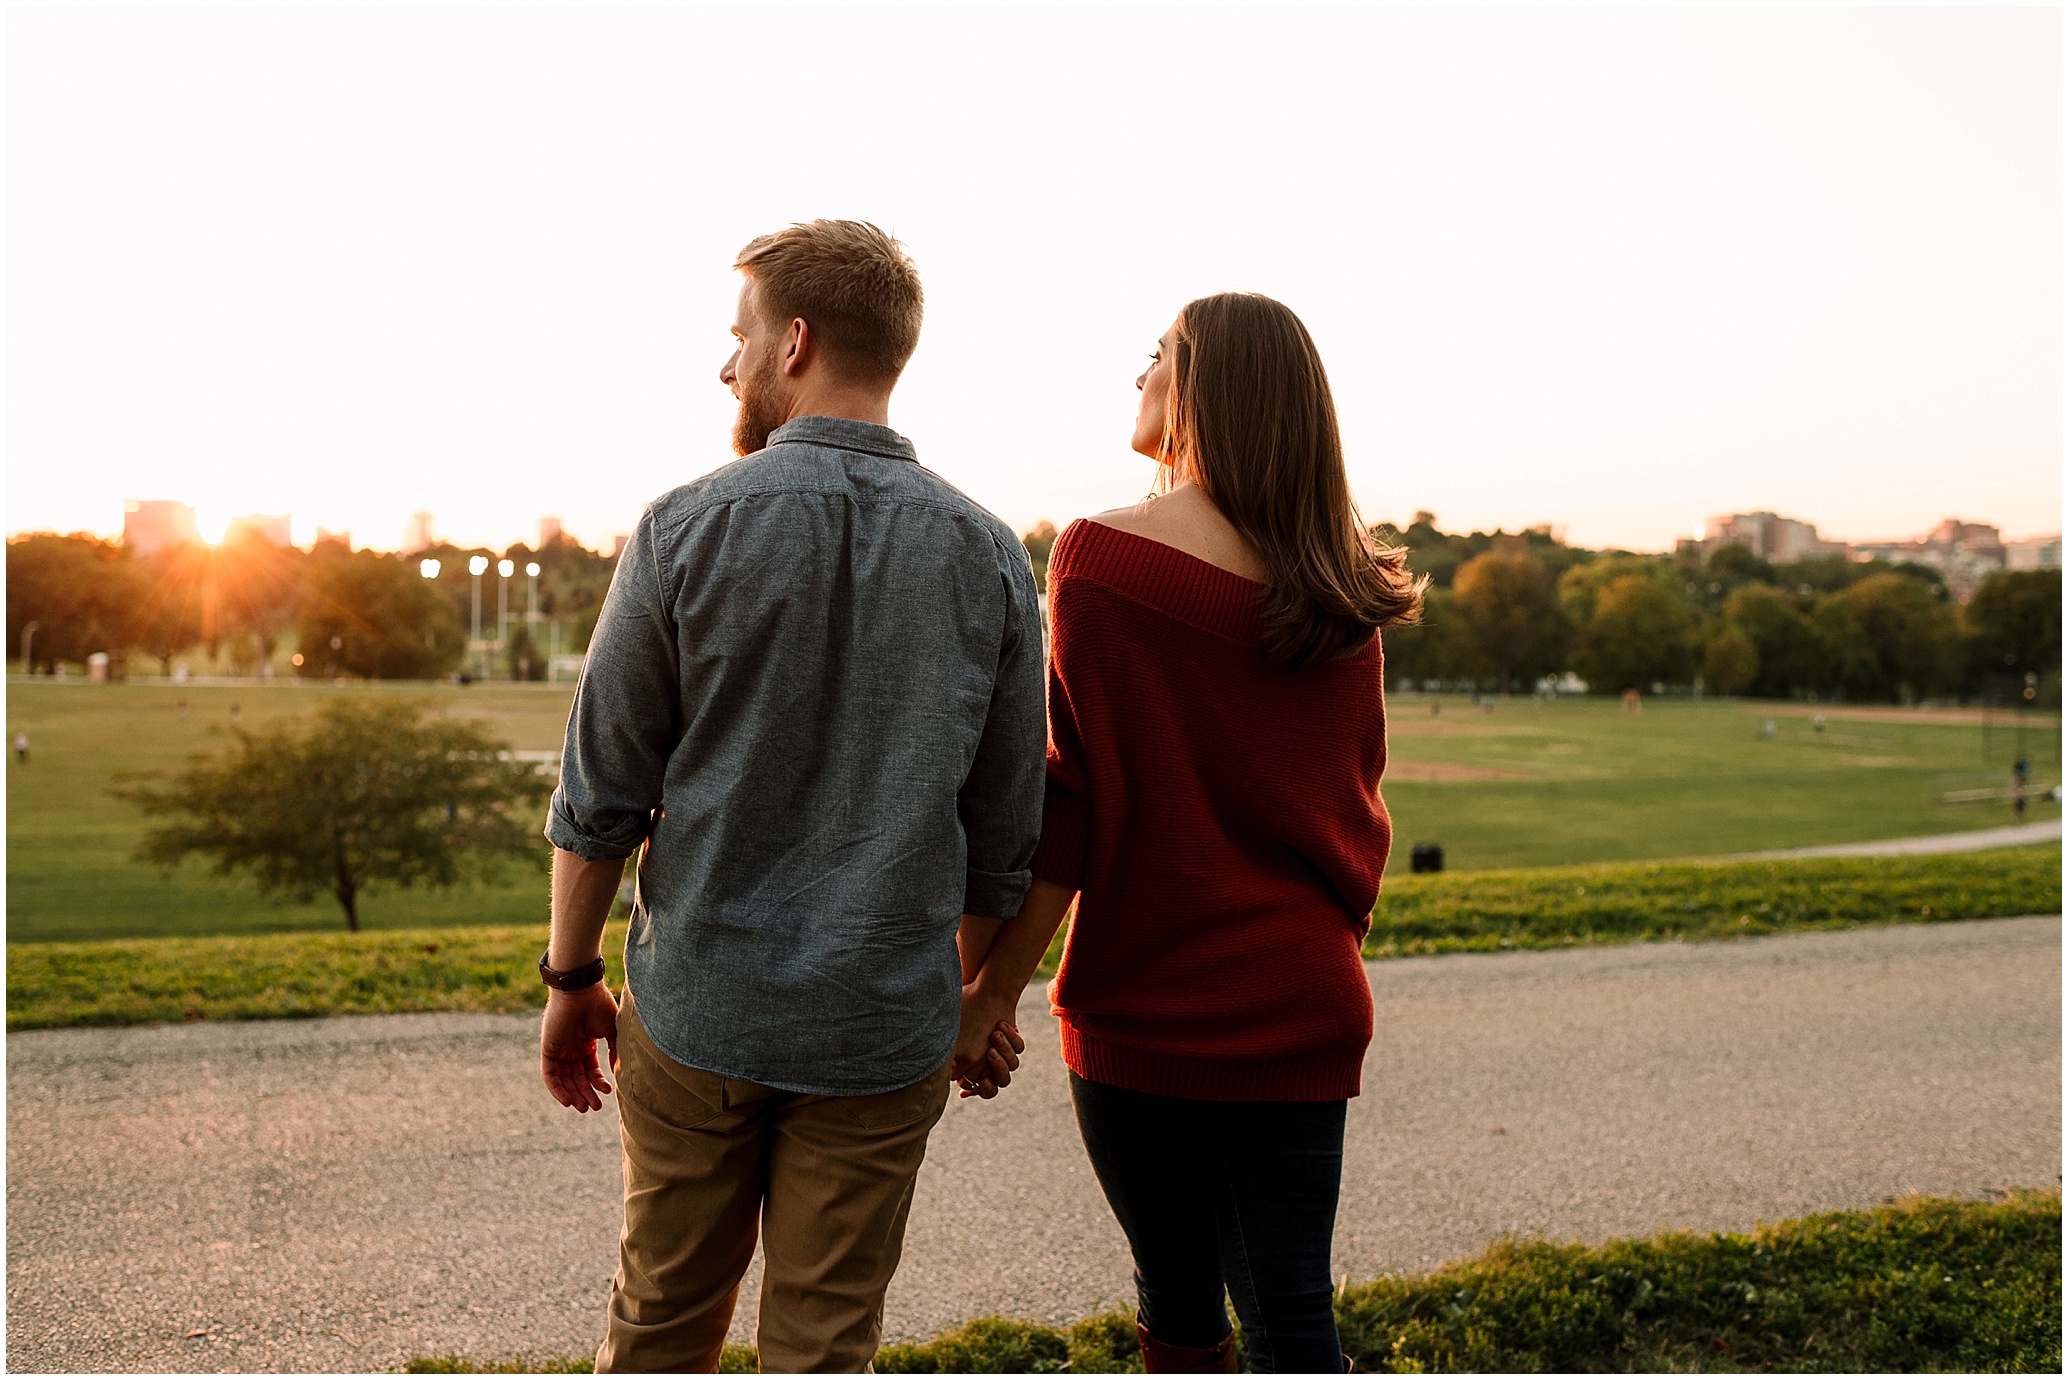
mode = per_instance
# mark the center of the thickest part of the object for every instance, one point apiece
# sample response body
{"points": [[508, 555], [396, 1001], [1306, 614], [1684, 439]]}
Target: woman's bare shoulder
{"points": [[1136, 517]]}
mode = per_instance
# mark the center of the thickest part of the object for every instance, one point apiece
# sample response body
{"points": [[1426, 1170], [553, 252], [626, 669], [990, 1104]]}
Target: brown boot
{"points": [[1161, 1358]]}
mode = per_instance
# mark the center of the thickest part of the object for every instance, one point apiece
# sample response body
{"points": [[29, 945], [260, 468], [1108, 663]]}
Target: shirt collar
{"points": [[844, 433]]}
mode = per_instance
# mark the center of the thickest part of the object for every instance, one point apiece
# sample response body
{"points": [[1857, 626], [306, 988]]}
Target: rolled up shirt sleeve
{"points": [[1000, 801], [627, 716]]}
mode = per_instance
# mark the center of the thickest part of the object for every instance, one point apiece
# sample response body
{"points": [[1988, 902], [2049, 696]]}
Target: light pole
{"points": [[504, 569], [531, 614], [29, 631], [475, 565], [428, 568]]}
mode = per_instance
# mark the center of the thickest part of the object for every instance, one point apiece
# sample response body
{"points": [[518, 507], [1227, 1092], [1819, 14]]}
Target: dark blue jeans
{"points": [[1224, 1196]]}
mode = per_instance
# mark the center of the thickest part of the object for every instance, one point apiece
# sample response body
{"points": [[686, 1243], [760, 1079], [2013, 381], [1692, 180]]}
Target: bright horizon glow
{"points": [[1598, 268], [213, 525]]}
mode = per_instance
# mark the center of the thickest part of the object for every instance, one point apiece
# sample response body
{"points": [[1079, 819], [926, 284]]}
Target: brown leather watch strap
{"points": [[574, 979]]}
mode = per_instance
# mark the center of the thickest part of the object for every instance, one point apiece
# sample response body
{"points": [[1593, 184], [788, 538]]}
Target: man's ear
{"points": [[797, 347]]}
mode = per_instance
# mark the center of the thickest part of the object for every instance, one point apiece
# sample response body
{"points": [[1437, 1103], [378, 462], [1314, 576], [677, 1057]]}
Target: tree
{"points": [[1437, 648], [1507, 602], [1731, 662], [1039, 543], [80, 591], [1786, 650], [368, 791], [167, 617], [371, 615], [1639, 630], [2013, 624], [1731, 566], [259, 589], [1888, 635]]}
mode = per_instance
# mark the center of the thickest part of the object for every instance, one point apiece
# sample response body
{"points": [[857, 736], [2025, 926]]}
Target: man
{"points": [[813, 707]]}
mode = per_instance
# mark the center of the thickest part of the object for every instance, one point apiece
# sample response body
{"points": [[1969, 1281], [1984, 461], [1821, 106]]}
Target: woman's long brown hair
{"points": [[1252, 422]]}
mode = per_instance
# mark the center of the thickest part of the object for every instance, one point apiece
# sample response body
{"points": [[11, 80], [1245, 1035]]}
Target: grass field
{"points": [[489, 967], [1929, 1284], [1529, 784]]}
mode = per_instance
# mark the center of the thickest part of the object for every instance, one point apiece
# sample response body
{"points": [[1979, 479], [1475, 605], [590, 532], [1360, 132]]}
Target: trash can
{"points": [[1426, 857]]}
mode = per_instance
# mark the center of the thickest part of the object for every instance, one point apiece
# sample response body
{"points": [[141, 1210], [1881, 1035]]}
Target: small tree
{"points": [[367, 790], [1509, 604], [1731, 661]]}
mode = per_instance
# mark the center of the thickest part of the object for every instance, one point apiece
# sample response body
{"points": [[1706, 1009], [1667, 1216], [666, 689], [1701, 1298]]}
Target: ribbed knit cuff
{"points": [[1065, 839], [1325, 1076]]}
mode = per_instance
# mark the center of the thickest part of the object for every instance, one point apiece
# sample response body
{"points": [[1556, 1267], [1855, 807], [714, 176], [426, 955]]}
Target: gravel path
{"points": [[343, 1194]]}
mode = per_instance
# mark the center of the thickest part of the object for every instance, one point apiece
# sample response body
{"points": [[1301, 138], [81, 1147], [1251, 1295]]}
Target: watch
{"points": [[574, 979]]}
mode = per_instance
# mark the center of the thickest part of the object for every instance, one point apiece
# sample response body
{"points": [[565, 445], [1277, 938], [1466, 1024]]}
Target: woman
{"points": [[1217, 733]]}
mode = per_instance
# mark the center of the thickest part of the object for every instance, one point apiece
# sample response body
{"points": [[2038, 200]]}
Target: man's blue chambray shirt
{"points": [[814, 695]]}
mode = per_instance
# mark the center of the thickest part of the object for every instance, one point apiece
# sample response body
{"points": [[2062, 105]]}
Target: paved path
{"points": [[342, 1194], [2009, 836]]}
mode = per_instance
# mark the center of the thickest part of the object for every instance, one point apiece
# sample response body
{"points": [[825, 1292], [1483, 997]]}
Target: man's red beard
{"points": [[760, 413]]}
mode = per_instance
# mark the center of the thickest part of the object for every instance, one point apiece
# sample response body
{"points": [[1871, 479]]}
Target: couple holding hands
{"points": [[814, 708]]}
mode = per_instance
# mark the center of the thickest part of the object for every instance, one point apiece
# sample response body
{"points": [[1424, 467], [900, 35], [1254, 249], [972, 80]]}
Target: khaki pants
{"points": [[708, 1160]]}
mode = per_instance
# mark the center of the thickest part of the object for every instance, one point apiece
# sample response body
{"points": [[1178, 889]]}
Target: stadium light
{"points": [[428, 567], [476, 564]]}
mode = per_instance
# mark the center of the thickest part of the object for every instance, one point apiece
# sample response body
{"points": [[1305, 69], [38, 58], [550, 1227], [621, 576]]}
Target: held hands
{"points": [[988, 1046], [574, 1022]]}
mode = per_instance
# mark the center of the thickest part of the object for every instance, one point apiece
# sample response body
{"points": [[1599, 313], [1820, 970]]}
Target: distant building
{"points": [[271, 528], [1965, 553], [324, 534], [618, 544], [150, 525], [549, 531], [418, 534], [1769, 536], [2035, 553]]}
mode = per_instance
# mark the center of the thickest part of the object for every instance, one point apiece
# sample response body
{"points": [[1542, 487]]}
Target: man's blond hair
{"points": [[854, 286]]}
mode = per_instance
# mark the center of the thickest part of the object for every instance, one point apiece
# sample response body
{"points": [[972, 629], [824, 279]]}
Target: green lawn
{"points": [[490, 967], [1929, 1284], [1528, 785], [70, 873], [1533, 784]]}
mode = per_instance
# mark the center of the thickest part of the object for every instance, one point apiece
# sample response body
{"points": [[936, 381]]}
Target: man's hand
{"points": [[988, 1046], [574, 1022]]}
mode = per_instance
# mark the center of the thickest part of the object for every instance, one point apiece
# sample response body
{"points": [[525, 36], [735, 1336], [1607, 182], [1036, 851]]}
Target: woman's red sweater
{"points": [[1221, 820]]}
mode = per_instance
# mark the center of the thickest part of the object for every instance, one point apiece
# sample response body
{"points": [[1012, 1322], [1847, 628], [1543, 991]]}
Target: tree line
{"points": [[1505, 610], [343, 612]]}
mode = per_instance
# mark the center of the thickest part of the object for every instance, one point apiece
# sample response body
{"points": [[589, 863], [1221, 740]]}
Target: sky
{"points": [[1616, 270]]}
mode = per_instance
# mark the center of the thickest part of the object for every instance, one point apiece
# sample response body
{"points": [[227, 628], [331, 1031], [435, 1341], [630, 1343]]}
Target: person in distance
{"points": [[812, 708], [1217, 733]]}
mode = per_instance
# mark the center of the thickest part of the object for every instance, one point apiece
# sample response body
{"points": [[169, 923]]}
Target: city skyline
{"points": [[1619, 270]]}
